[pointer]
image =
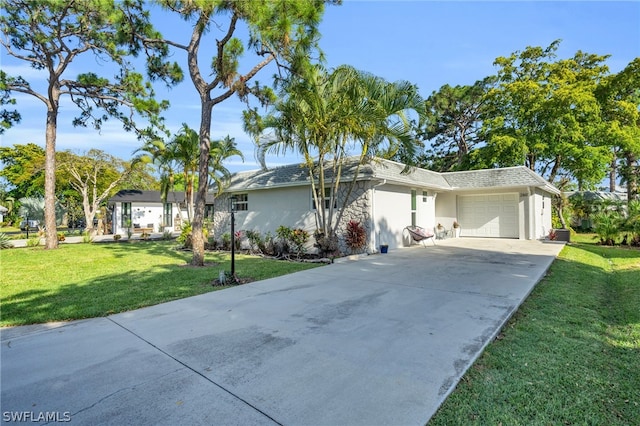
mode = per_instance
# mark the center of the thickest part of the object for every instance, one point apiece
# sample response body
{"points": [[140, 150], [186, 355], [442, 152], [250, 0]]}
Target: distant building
{"points": [[146, 210]]}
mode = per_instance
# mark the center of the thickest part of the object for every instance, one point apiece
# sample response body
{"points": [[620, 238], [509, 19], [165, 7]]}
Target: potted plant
{"points": [[456, 229]]}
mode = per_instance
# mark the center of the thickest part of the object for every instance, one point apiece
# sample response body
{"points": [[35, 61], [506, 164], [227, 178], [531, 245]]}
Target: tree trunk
{"points": [[197, 236], [554, 169], [613, 175], [51, 233], [631, 171]]}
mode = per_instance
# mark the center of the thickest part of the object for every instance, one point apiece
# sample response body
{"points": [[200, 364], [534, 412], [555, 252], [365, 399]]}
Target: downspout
{"points": [[532, 215], [372, 233]]}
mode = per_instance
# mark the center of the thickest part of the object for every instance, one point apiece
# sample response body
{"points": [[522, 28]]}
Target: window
{"points": [[425, 196], [208, 211], [242, 202], [126, 215], [327, 200], [413, 207], [167, 215]]}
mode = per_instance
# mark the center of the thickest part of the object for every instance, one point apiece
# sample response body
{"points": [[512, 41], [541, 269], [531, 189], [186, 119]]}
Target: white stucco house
{"points": [[512, 202], [146, 210]]}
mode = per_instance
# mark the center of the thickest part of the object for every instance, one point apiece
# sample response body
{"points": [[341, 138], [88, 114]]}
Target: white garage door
{"points": [[494, 215]]}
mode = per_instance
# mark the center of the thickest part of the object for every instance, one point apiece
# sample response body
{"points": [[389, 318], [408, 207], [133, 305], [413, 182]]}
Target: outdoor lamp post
{"points": [[26, 219], [232, 208]]}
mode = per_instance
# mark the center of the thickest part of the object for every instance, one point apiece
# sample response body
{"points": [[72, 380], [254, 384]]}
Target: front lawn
{"points": [[570, 355], [92, 280]]}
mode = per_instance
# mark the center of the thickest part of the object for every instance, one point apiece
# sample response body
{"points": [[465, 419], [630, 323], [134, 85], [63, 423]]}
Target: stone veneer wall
{"points": [[221, 216], [359, 209]]}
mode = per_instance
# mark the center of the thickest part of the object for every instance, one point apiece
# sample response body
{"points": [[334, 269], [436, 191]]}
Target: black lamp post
{"points": [[232, 208], [27, 222]]}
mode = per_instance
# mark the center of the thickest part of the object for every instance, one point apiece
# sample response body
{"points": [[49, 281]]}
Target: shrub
{"points": [[117, 237], [5, 243], [33, 242], [327, 244], [254, 238], [632, 223], [185, 236], [267, 244], [211, 244], [166, 235], [226, 241], [87, 237], [283, 234], [61, 236], [356, 236], [298, 239], [237, 238], [606, 225]]}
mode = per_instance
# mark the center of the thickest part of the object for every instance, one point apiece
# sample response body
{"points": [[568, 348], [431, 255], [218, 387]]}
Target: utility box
{"points": [[563, 235]]}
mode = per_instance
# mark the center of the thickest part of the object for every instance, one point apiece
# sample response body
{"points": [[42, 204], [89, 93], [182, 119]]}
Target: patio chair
{"points": [[419, 234]]}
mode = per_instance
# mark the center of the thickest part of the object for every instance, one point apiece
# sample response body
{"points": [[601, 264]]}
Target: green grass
{"points": [[92, 280], [570, 355]]}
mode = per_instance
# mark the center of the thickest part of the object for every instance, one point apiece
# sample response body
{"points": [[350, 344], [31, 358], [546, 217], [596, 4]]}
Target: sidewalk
{"points": [[79, 239]]}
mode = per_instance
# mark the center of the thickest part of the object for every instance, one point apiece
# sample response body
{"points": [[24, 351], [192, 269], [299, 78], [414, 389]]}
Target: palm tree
{"points": [[184, 150], [325, 117], [222, 150], [155, 152]]}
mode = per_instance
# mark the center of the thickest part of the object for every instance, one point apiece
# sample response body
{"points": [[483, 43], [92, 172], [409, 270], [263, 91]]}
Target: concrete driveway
{"points": [[377, 341]]}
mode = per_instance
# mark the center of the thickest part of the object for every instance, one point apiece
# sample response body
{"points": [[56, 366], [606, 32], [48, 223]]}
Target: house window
{"points": [[327, 199], [167, 215], [208, 211], [414, 203], [242, 202], [425, 196], [126, 215]]}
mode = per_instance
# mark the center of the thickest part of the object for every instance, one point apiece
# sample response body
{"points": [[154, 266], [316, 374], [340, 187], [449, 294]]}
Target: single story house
{"points": [[3, 210], [512, 202], [146, 210]]}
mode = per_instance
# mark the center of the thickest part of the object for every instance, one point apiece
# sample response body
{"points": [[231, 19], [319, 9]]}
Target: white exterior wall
{"points": [[536, 213], [267, 210], [543, 213], [446, 211], [392, 213]]}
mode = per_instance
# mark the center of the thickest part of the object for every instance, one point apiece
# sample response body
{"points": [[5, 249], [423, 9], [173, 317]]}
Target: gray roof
{"points": [[497, 178], [298, 175], [599, 195], [140, 196], [393, 172]]}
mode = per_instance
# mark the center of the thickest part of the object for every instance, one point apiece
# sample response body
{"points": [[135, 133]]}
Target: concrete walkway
{"points": [[377, 341]]}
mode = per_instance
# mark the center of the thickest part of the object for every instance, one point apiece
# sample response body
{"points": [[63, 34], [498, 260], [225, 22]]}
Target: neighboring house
{"points": [[145, 210], [510, 202], [3, 210], [587, 201]]}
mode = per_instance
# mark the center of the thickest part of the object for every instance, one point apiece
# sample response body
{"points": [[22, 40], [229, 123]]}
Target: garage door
{"points": [[494, 215]]}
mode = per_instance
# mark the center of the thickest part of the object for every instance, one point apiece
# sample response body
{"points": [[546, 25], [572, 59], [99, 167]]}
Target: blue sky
{"points": [[428, 43]]}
